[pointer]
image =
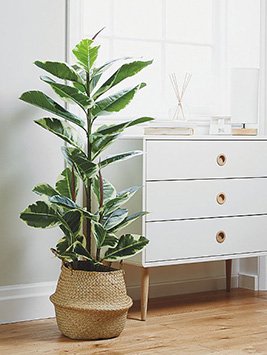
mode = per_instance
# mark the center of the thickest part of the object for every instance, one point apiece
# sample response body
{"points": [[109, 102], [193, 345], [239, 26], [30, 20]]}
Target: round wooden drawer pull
{"points": [[221, 198], [220, 237], [221, 159]]}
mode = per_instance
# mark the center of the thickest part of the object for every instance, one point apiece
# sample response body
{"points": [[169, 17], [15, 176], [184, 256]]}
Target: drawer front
{"points": [[168, 159], [176, 240], [182, 199]]}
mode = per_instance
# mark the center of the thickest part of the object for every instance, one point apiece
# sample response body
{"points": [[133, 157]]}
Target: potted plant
{"points": [[90, 300]]}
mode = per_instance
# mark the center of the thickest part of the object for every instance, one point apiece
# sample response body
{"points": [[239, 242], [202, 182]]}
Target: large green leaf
{"points": [[73, 219], [103, 237], [64, 201], [39, 99], [62, 245], [116, 217], [60, 70], [125, 71], [85, 168], [65, 256], [40, 215], [80, 250], [62, 129], [68, 184], [128, 220], [121, 198], [68, 203], [118, 128], [109, 190], [106, 135], [44, 190], [76, 251], [97, 72], [100, 142], [115, 102], [129, 245], [119, 157], [86, 54], [69, 93]]}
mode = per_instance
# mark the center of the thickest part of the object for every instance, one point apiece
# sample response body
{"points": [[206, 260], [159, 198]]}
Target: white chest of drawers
{"points": [[207, 199]]}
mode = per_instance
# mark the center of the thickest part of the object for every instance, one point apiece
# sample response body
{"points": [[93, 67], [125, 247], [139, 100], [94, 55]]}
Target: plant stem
{"points": [[89, 157], [98, 254]]}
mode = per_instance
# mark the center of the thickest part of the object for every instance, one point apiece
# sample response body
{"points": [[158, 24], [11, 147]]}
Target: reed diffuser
{"points": [[179, 93]]}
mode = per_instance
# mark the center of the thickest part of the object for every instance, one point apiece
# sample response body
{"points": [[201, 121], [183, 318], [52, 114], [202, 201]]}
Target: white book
{"points": [[172, 131]]}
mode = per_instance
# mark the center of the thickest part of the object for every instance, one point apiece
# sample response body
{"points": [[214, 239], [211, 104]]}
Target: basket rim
{"points": [[93, 306], [111, 270]]}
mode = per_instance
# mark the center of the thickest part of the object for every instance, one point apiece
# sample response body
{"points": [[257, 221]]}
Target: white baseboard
{"points": [[249, 281], [31, 301], [26, 302], [182, 287]]}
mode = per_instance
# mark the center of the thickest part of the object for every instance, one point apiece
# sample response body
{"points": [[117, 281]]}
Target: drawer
{"points": [[173, 159], [174, 240], [184, 199]]}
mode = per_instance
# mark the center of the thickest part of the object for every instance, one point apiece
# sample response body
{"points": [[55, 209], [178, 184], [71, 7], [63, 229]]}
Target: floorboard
{"points": [[205, 323]]}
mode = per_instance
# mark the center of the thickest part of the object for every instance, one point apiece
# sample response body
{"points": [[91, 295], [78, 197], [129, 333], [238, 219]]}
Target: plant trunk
{"points": [[89, 181]]}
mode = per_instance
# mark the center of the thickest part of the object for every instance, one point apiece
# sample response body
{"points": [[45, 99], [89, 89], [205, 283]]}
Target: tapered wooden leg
{"points": [[228, 272], [144, 292]]}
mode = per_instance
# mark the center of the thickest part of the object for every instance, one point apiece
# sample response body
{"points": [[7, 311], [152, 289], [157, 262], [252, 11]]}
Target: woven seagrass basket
{"points": [[91, 304]]}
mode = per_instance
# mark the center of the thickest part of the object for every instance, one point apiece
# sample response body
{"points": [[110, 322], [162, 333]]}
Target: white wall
{"points": [[30, 30]]}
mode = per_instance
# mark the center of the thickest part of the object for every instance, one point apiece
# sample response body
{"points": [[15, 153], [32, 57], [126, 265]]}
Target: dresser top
{"points": [[205, 138], [194, 137]]}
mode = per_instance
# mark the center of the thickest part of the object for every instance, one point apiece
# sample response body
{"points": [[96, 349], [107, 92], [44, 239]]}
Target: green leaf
{"points": [[61, 129], [97, 72], [68, 203], [118, 128], [128, 220], [39, 99], [86, 54], [112, 220], [119, 157], [64, 201], [68, 184], [109, 190], [116, 102], [44, 189], [69, 93], [85, 168], [73, 219], [100, 142], [125, 71], [80, 87], [62, 245], [80, 251], [40, 215], [60, 70], [65, 256], [121, 198], [129, 245], [102, 237]]}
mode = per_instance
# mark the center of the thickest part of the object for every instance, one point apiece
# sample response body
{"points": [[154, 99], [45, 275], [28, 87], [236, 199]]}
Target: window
{"points": [[203, 37]]}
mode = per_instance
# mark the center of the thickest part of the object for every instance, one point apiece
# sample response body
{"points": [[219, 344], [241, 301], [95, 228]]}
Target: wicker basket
{"points": [[91, 304]]}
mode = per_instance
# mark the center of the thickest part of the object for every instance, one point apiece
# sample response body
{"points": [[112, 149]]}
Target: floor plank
{"points": [[205, 323]]}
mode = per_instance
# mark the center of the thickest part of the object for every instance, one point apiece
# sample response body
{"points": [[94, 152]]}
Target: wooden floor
{"points": [[206, 323]]}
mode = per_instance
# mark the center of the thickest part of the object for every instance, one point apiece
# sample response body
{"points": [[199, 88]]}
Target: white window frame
{"points": [[74, 33]]}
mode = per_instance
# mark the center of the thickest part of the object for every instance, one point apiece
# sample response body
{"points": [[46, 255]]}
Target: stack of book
{"points": [[171, 131]]}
